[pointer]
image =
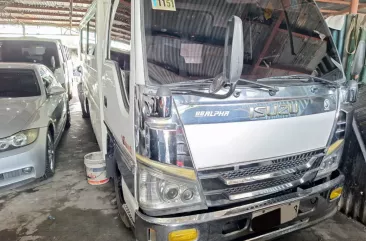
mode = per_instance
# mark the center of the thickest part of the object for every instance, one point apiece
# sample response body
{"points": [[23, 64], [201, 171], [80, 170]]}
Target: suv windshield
{"points": [[29, 52], [281, 38], [18, 83]]}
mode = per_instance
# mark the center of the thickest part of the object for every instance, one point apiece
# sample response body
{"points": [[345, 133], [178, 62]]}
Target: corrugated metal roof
{"points": [[57, 12], [43, 12]]}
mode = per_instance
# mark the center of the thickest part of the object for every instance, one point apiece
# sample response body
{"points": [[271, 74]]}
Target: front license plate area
{"points": [[275, 216]]}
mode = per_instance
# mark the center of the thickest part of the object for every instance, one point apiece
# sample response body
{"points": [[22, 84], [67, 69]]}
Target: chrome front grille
{"points": [[247, 181], [282, 165], [262, 185]]}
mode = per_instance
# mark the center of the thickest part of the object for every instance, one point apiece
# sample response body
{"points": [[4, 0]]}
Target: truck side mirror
{"points": [[352, 93], [234, 50]]}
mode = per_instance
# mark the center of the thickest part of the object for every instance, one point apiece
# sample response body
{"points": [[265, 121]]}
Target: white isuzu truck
{"points": [[219, 119]]}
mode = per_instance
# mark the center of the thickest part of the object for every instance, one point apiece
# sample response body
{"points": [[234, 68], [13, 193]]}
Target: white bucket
{"points": [[95, 168]]}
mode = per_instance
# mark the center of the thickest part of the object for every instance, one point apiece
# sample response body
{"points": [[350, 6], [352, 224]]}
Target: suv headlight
{"points": [[331, 160], [167, 189], [19, 139]]}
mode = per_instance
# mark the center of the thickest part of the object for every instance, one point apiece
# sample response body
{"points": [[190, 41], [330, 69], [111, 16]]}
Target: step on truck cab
{"points": [[219, 119]]}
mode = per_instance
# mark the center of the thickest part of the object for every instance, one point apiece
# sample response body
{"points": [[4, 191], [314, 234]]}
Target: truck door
{"points": [[117, 95]]}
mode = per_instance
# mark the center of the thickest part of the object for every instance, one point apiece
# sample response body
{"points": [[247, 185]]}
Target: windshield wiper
{"points": [[204, 94], [305, 78], [272, 90], [189, 83]]}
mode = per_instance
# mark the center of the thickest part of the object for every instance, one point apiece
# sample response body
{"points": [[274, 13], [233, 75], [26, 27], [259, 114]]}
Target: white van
{"points": [[49, 52]]}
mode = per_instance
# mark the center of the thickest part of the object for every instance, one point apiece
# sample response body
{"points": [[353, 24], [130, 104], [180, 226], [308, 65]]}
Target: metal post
{"points": [[71, 9], [354, 6], [23, 27]]}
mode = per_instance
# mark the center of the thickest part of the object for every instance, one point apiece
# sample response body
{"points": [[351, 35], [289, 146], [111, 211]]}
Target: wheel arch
{"points": [[51, 128]]}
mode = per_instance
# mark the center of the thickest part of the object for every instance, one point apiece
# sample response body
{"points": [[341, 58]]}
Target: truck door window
{"points": [[119, 42]]}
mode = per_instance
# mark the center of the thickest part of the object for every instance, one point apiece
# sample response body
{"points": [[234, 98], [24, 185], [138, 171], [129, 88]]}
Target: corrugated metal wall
{"points": [[353, 202]]}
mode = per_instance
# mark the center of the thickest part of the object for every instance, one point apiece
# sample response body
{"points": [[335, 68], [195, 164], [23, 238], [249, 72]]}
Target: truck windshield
{"points": [[29, 51], [185, 39]]}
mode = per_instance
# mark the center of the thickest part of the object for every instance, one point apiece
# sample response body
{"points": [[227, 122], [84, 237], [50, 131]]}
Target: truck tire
{"points": [[119, 197]]}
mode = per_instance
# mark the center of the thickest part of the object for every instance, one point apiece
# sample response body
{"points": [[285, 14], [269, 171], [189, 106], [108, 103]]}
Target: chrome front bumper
{"points": [[315, 207]]}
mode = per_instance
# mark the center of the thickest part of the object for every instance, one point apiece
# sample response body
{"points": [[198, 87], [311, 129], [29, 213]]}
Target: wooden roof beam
{"points": [[354, 6], [38, 19], [21, 7], [46, 23], [340, 2], [61, 15], [338, 12], [68, 1], [334, 2]]}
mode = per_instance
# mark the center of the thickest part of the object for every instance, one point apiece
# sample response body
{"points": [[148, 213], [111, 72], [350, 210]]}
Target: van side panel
{"points": [[91, 86]]}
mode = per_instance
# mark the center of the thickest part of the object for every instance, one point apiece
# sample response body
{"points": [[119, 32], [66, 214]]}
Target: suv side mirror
{"points": [[55, 90], [352, 93]]}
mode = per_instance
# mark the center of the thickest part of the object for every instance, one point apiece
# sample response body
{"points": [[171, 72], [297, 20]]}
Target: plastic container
{"points": [[96, 170]]}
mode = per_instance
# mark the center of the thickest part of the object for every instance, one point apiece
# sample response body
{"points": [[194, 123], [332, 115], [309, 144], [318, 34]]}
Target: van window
{"points": [[29, 52], [63, 52], [92, 35], [84, 40], [88, 37]]}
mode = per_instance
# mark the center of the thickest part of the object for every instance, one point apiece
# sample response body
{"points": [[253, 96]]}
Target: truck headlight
{"points": [[164, 188], [331, 160], [19, 139]]}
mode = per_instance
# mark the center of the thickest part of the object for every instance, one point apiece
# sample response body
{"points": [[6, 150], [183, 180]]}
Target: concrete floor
{"points": [[66, 208]]}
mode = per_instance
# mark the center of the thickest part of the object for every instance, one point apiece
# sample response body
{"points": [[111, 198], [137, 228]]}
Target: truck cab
{"points": [[222, 120]]}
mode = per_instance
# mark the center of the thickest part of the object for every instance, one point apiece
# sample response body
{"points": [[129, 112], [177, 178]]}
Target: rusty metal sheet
{"points": [[353, 201]]}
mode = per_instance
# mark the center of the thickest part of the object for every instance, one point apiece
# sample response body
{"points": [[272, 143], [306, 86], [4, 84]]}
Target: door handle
{"points": [[105, 101]]}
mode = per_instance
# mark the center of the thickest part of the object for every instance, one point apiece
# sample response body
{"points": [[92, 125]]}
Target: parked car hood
{"points": [[15, 113]]}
